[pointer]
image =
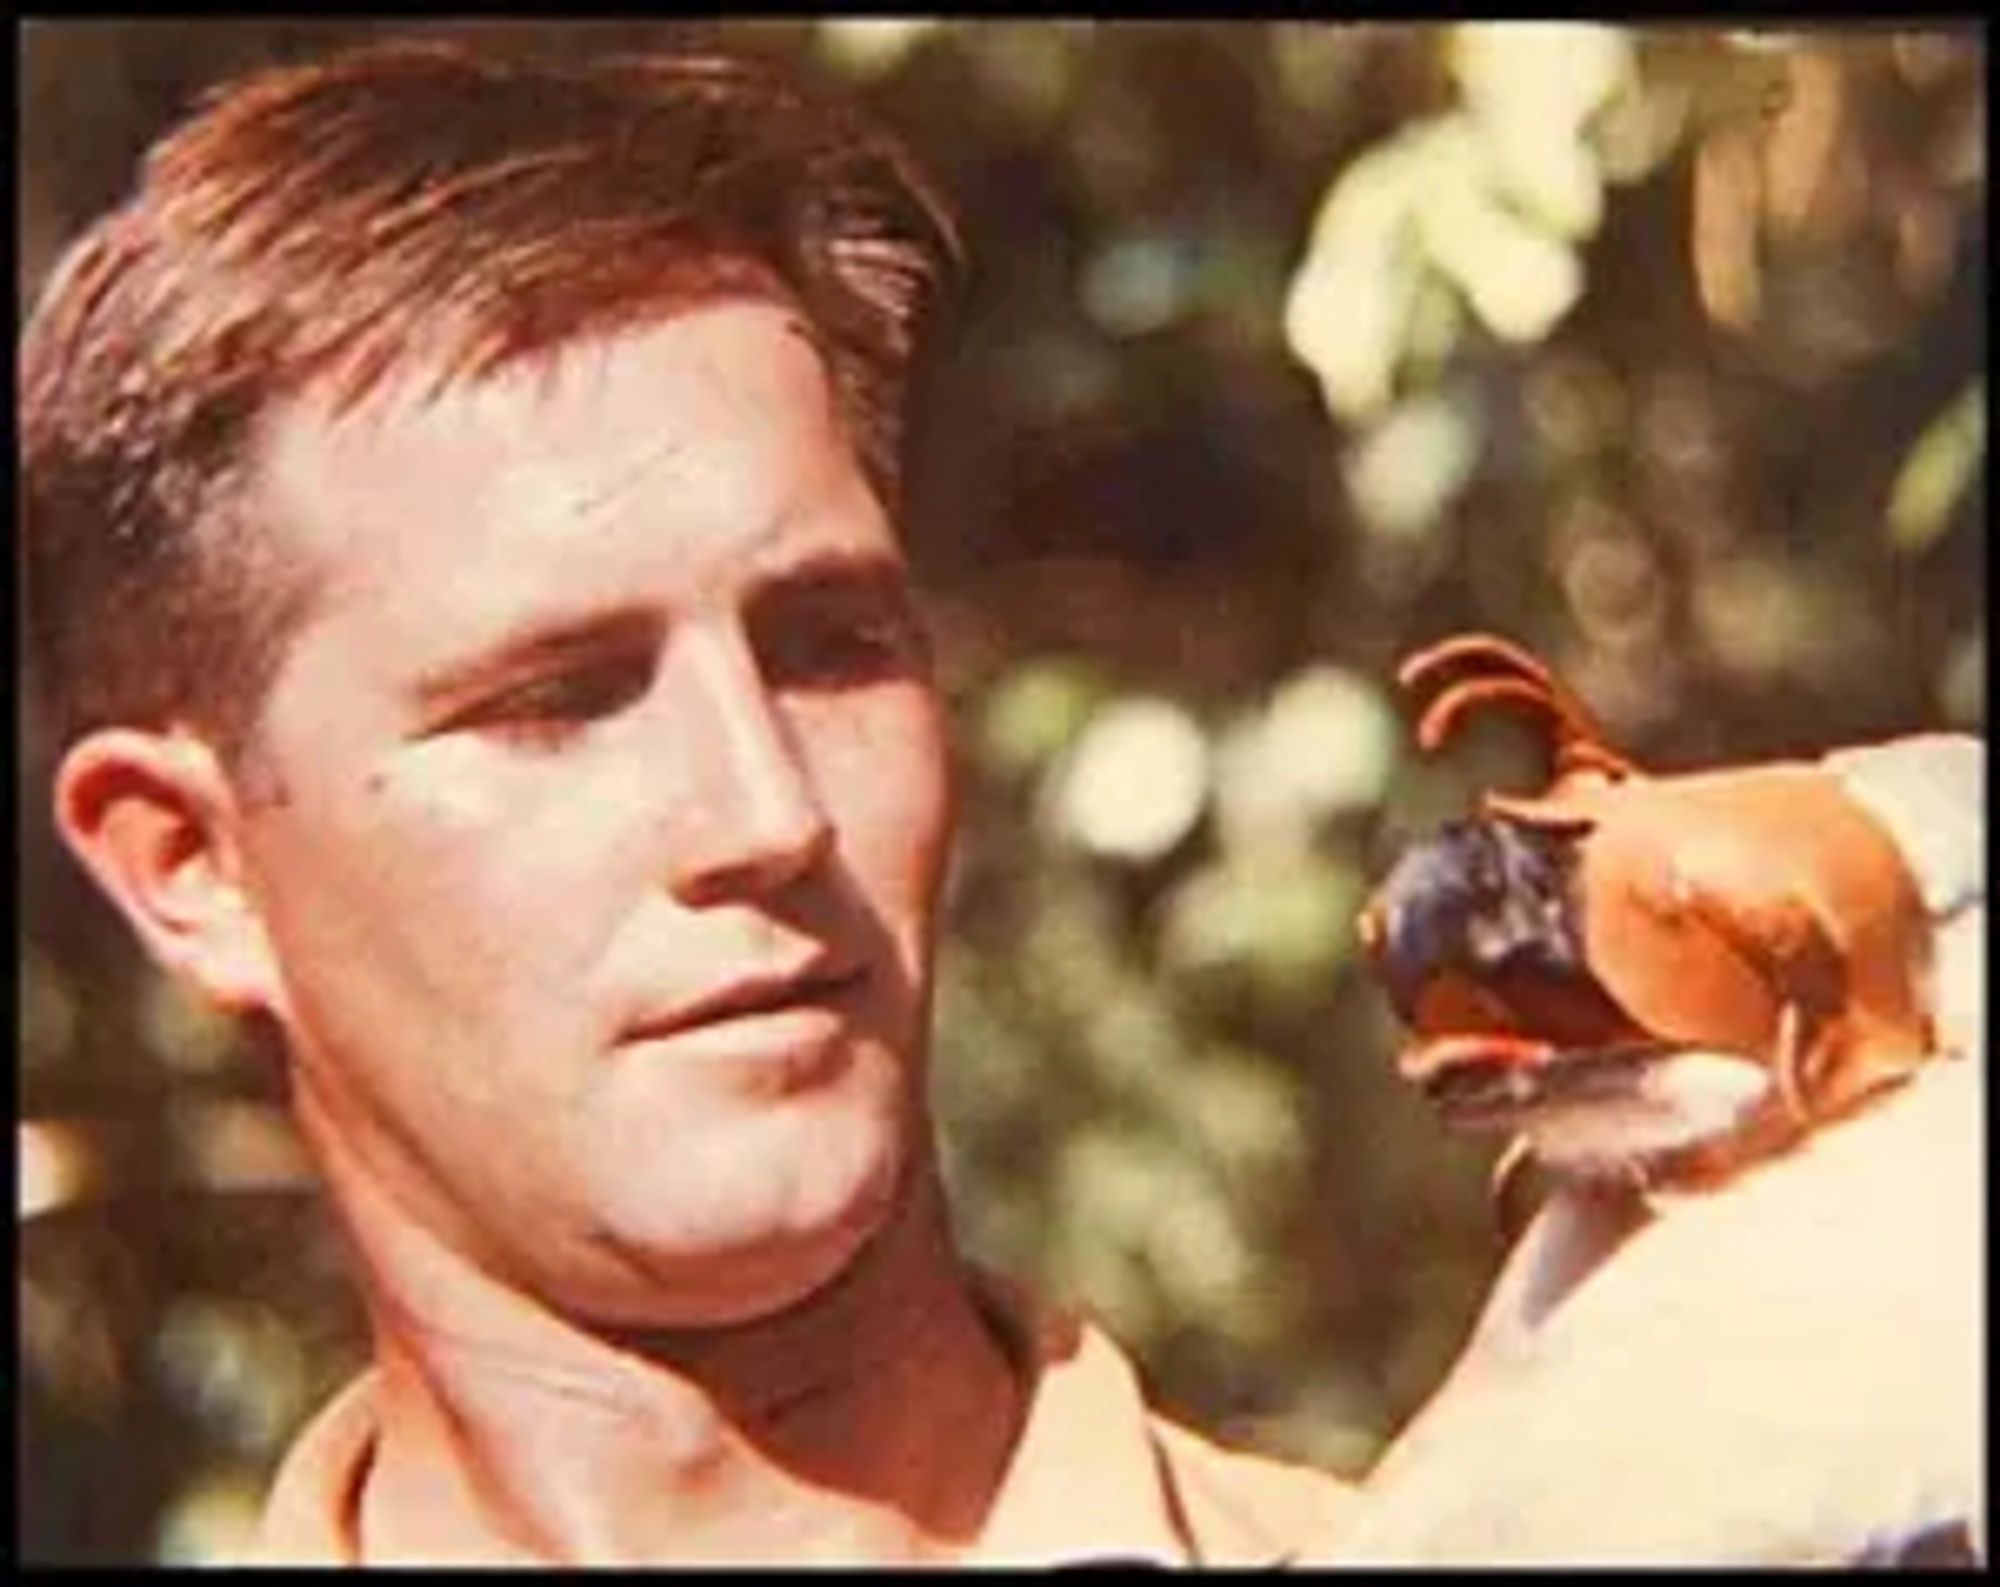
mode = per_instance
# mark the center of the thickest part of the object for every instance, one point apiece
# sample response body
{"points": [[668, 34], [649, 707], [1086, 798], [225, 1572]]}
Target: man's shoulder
{"points": [[1099, 1471], [308, 1516]]}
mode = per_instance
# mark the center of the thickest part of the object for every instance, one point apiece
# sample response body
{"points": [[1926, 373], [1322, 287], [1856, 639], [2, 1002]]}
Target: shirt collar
{"points": [[1086, 1478]]}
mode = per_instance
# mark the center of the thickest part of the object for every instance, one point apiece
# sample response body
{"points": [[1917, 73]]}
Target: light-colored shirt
{"points": [[1096, 1474]]}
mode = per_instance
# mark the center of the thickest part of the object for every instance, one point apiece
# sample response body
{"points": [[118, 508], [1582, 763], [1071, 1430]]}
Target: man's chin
{"points": [[739, 1252]]}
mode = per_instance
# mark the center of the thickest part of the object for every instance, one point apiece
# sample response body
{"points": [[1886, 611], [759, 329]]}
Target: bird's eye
{"points": [[1483, 873]]}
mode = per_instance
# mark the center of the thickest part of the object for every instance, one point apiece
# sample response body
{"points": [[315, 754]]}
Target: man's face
{"points": [[611, 801]]}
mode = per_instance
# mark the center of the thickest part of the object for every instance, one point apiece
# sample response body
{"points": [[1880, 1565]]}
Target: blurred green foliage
{"points": [[1290, 345]]}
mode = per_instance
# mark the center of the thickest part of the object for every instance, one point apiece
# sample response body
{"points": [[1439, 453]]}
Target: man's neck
{"points": [[871, 1422]]}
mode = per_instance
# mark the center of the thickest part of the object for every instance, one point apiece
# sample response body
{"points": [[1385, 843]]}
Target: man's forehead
{"points": [[737, 337], [695, 459], [636, 401]]}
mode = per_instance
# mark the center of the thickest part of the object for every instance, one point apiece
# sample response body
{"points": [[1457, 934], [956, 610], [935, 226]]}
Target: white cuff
{"points": [[1929, 792]]}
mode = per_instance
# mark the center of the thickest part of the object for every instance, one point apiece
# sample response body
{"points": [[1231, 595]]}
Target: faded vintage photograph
{"points": [[1014, 791]]}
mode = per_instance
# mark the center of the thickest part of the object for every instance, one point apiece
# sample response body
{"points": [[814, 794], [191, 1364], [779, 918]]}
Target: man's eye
{"points": [[849, 649], [547, 709]]}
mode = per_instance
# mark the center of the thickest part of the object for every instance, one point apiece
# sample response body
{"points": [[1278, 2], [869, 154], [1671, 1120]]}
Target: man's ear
{"points": [[153, 817]]}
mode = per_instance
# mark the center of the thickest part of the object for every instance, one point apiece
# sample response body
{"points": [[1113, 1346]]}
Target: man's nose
{"points": [[752, 822]]}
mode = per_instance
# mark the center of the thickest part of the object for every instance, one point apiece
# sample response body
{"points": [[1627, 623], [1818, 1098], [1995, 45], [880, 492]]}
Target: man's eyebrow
{"points": [[837, 574], [829, 574], [535, 645]]}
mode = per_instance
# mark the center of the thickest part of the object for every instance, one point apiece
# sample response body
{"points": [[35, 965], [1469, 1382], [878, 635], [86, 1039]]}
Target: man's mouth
{"points": [[821, 982]]}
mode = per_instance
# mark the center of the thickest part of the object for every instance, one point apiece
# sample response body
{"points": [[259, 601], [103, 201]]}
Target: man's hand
{"points": [[1776, 1357], [1788, 1371]]}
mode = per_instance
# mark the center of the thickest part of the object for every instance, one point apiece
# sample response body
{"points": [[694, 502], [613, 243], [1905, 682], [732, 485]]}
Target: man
{"points": [[458, 503], [458, 506]]}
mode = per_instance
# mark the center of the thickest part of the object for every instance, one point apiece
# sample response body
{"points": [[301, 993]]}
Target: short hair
{"points": [[426, 209]]}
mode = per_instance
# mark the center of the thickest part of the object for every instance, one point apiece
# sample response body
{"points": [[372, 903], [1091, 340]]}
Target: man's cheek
{"points": [[455, 823], [450, 785], [894, 776], [447, 876]]}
